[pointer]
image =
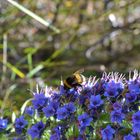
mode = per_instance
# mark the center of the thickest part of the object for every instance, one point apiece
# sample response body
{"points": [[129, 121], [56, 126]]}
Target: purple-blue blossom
{"points": [[134, 86], [117, 116], [136, 122], [129, 137], [100, 87], [39, 101], [55, 136], [51, 109], [62, 113], [117, 106], [136, 117], [84, 120], [20, 124], [36, 130], [131, 97], [71, 94], [70, 108], [29, 110], [56, 133], [3, 124], [58, 129], [113, 89], [95, 101], [80, 137], [136, 127], [107, 133], [83, 99]]}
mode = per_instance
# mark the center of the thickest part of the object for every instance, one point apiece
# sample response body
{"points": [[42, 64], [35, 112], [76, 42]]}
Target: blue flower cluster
{"points": [[103, 109]]}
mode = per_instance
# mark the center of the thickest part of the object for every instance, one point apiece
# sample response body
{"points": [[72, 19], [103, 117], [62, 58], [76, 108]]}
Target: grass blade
{"points": [[15, 70], [35, 70], [33, 15]]}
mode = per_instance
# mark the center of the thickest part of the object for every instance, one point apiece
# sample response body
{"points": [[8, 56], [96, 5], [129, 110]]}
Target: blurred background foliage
{"points": [[97, 35]]}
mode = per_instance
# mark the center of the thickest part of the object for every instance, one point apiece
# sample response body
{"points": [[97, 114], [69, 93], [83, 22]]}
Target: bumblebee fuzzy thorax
{"points": [[79, 78], [73, 81]]}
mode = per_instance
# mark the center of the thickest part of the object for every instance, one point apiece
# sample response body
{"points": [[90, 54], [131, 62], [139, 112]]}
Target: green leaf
{"points": [[3, 137], [105, 117]]}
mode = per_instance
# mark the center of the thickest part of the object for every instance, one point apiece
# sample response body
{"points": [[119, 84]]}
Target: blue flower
{"points": [[57, 133], [100, 86], [112, 88], [80, 137], [55, 136], [70, 108], [29, 110], [58, 129], [71, 94], [65, 111], [82, 129], [107, 133], [3, 124], [136, 127], [62, 113], [84, 120], [95, 101], [134, 86], [117, 106], [117, 116], [20, 124], [36, 130], [131, 97], [54, 104], [129, 137], [136, 122], [125, 109], [49, 111], [83, 99], [61, 88], [87, 91], [40, 101], [56, 97], [136, 117]]}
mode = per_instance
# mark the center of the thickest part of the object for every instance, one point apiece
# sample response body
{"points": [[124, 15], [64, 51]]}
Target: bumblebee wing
{"points": [[79, 71]]}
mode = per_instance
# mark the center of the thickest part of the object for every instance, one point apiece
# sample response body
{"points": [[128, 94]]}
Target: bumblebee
{"points": [[76, 79]]}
